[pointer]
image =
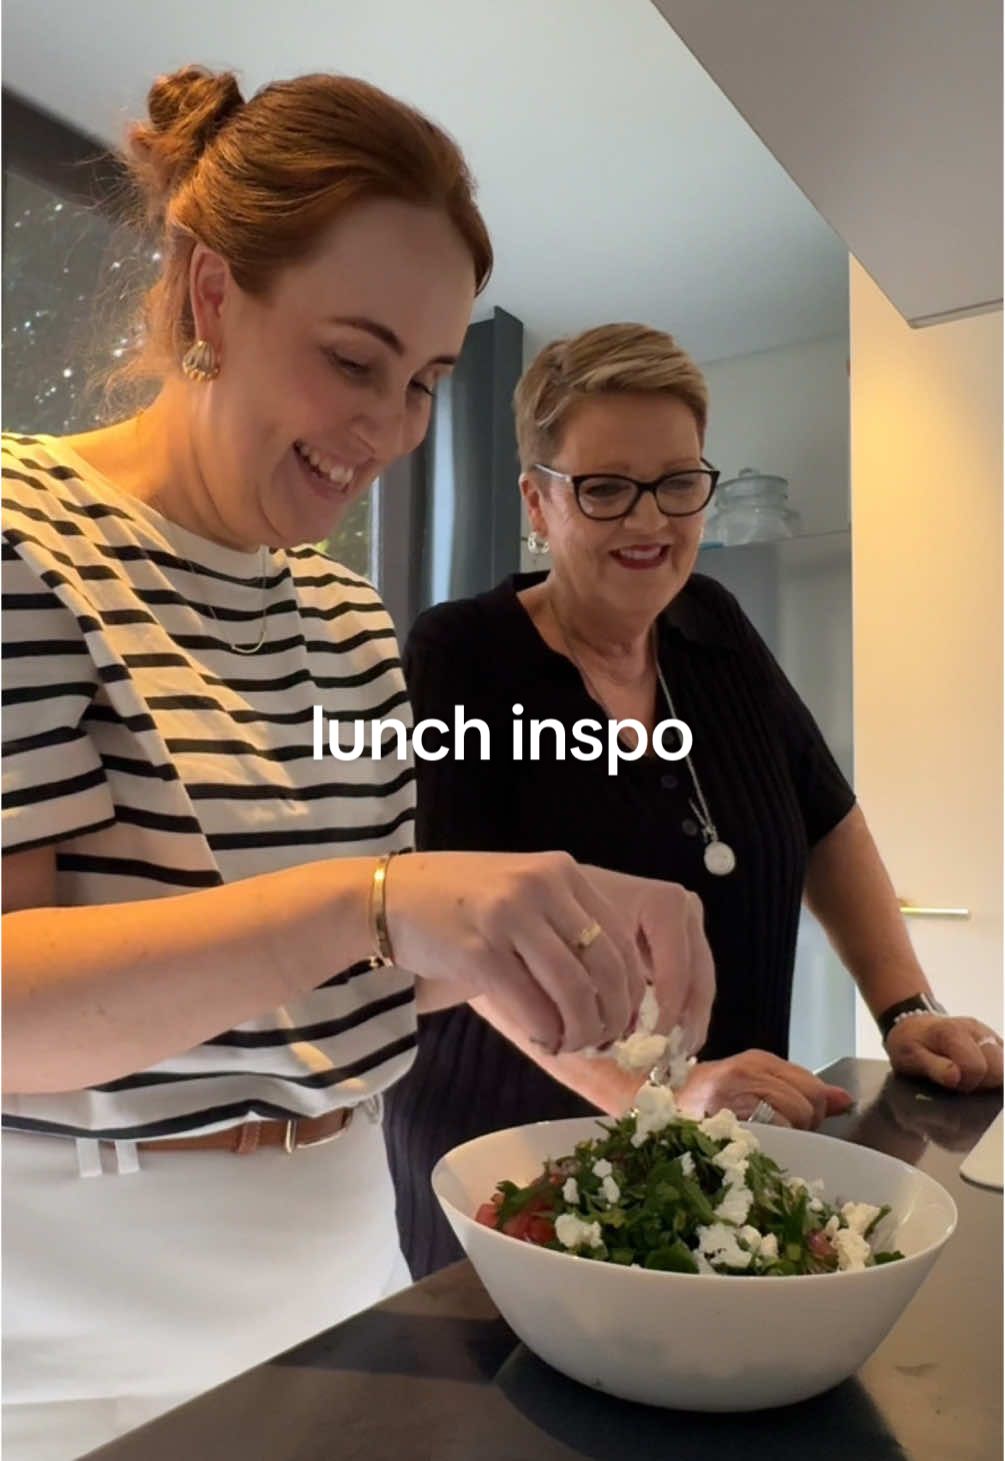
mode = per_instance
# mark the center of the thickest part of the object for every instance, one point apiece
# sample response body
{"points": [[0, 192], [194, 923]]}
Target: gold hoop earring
{"points": [[200, 362]]}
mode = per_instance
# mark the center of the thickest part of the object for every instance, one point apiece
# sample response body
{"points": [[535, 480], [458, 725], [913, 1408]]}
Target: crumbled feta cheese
{"points": [[858, 1215], [768, 1250], [655, 1109], [831, 1226], [719, 1244], [747, 1139], [813, 1190], [610, 1190], [852, 1250], [645, 1050], [764, 1246], [573, 1232], [639, 1051], [733, 1160], [723, 1126], [678, 1061], [703, 1264], [649, 1011], [570, 1191], [687, 1164], [734, 1205]]}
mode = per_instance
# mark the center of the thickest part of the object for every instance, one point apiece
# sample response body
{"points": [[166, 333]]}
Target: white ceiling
{"points": [[617, 180]]}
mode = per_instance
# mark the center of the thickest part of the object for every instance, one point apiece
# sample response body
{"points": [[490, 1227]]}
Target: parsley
{"points": [[669, 1188]]}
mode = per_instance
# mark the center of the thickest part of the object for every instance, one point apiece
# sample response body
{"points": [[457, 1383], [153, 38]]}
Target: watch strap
{"points": [[915, 1004]]}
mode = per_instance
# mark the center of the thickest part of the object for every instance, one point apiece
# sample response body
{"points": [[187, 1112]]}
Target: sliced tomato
{"points": [[540, 1230], [516, 1227], [533, 1223], [530, 1227]]}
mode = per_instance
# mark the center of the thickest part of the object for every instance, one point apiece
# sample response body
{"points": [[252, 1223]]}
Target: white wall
{"points": [[786, 412], [927, 537]]}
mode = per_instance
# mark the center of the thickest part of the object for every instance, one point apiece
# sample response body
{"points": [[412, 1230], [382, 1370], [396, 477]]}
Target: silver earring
{"points": [[201, 362], [537, 545]]}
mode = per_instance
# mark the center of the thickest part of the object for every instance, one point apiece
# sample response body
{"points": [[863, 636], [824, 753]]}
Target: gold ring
{"points": [[589, 936]]}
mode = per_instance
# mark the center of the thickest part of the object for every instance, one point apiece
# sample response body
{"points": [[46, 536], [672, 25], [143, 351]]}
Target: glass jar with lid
{"points": [[753, 508]]}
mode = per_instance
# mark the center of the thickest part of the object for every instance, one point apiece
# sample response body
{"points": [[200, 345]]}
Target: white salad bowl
{"points": [[699, 1341]]}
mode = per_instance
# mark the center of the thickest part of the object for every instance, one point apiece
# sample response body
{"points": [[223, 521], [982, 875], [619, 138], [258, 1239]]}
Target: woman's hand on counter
{"points": [[953, 1051], [797, 1097]]}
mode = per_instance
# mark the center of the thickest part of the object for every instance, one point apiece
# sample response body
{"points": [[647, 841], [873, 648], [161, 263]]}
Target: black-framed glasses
{"points": [[605, 496]]}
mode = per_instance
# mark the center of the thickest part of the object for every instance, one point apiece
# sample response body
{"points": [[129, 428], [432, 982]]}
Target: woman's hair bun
{"points": [[186, 110]]}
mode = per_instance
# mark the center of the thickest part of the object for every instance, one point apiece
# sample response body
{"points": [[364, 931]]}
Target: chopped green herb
{"points": [[691, 1197]]}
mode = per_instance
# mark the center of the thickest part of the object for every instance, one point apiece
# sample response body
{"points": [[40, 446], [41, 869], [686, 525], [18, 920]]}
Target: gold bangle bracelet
{"points": [[384, 954]]}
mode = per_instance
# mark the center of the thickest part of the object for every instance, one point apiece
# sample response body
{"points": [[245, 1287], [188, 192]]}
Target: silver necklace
{"points": [[240, 648], [718, 857]]}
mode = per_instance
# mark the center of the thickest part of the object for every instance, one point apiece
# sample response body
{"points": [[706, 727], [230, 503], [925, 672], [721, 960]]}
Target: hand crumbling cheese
{"points": [[646, 1050]]}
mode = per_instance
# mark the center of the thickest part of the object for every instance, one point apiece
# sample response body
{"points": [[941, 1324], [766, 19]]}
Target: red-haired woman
{"points": [[206, 949]]}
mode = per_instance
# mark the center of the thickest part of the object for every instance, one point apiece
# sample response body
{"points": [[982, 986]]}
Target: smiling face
{"points": [[627, 570], [329, 378]]}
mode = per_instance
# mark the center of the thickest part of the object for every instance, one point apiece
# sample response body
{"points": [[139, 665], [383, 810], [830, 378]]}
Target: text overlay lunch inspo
{"points": [[530, 740]]}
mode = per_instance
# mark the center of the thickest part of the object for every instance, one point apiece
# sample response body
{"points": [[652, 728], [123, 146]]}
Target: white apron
{"points": [[127, 1293]]}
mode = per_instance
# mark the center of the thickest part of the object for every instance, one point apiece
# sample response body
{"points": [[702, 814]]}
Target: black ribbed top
{"points": [[772, 787]]}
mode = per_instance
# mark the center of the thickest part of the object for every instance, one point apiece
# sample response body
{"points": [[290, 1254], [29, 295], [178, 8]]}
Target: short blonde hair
{"points": [[608, 358]]}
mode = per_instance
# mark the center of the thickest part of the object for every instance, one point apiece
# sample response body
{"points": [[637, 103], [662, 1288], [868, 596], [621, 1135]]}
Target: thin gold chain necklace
{"points": [[239, 648], [200, 573]]}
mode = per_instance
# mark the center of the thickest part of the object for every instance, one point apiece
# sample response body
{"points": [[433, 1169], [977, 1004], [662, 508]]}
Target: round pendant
{"points": [[720, 858]]}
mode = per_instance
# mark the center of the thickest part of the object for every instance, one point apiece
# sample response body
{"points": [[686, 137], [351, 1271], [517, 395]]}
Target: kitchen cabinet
{"points": [[888, 117]]}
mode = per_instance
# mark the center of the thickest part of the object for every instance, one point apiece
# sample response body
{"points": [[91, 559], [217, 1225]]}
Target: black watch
{"points": [[917, 1004]]}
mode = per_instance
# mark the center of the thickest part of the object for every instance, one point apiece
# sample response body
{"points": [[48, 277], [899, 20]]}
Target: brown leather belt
{"points": [[304, 1131]]}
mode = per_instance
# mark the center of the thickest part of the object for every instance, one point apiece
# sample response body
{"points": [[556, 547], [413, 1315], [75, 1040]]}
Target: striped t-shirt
{"points": [[158, 760]]}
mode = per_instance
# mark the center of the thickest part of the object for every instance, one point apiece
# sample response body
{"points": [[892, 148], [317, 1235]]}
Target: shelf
{"points": [[832, 535]]}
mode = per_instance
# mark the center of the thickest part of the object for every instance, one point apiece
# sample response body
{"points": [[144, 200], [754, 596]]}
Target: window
{"points": [[71, 279], [354, 544], [55, 302]]}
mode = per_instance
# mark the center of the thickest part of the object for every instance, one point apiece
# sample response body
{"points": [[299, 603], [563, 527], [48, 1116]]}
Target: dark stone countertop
{"points": [[434, 1374]]}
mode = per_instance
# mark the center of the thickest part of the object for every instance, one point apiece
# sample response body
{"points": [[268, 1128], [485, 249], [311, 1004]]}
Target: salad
{"points": [[659, 1190]]}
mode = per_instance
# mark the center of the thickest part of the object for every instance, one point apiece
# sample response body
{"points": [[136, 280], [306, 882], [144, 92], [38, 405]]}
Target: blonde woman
{"points": [[212, 964], [755, 819]]}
